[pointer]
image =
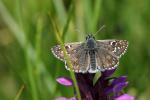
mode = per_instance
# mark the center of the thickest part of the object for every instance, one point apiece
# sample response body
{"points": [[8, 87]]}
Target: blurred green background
{"points": [[28, 70]]}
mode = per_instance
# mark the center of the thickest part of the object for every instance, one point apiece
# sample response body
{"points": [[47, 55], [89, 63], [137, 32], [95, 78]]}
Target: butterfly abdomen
{"points": [[92, 59]]}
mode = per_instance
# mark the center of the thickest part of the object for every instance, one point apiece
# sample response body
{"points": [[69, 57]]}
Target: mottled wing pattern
{"points": [[82, 62], [70, 48], [106, 60], [78, 56], [118, 47], [108, 53]]}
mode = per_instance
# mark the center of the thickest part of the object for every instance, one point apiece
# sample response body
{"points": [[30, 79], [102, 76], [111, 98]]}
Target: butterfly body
{"points": [[91, 49], [92, 55]]}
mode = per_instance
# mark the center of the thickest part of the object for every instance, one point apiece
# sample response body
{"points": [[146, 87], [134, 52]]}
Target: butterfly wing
{"points": [[106, 60], [118, 47], [77, 55], [80, 61], [70, 48], [109, 52]]}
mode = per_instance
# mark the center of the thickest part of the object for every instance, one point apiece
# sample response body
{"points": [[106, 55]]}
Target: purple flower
{"points": [[106, 88]]}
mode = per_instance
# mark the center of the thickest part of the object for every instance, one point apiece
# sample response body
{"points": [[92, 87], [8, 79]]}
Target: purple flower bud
{"points": [[64, 81]]}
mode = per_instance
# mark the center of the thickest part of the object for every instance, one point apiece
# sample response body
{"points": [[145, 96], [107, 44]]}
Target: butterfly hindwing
{"points": [[106, 60], [80, 62]]}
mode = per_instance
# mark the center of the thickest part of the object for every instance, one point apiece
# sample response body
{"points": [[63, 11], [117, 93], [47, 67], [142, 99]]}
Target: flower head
{"points": [[106, 88]]}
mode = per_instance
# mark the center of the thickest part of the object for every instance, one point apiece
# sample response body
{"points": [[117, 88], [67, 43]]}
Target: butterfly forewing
{"points": [[118, 47], [71, 48]]}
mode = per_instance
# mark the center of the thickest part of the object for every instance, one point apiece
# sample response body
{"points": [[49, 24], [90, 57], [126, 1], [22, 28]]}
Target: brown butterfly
{"points": [[92, 55]]}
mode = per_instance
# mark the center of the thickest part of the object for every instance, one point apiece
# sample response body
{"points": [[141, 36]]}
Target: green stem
{"points": [[66, 57], [31, 75], [19, 93]]}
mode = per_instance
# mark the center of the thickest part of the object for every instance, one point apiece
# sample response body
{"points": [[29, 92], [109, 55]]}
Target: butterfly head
{"points": [[90, 41], [90, 36]]}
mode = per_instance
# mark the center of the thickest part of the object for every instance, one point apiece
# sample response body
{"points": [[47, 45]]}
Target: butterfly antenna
{"points": [[99, 29]]}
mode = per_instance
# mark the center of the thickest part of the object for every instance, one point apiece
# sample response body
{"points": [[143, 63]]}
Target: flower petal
{"points": [[120, 79], [64, 81], [73, 98], [63, 98], [125, 97], [117, 88]]}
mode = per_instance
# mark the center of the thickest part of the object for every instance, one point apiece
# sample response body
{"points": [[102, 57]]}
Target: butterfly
{"points": [[92, 55]]}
